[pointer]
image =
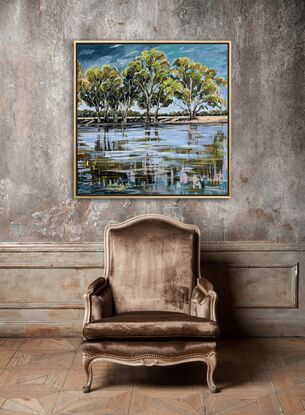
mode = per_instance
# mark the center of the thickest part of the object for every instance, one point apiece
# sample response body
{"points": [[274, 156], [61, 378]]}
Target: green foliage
{"points": [[90, 89], [200, 87], [80, 78], [86, 113], [129, 90], [165, 95], [150, 70], [151, 82]]}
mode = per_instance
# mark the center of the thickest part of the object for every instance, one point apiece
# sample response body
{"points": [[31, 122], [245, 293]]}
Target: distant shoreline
{"points": [[206, 119]]}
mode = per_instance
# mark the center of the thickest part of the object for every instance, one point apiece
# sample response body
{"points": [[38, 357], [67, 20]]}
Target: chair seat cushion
{"points": [[150, 324]]}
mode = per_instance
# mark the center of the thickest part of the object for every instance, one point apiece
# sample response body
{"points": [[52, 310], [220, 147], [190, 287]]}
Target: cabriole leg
{"points": [[87, 362], [211, 363]]}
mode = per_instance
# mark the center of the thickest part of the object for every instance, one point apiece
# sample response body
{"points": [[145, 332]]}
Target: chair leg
{"points": [[87, 361], [211, 363]]}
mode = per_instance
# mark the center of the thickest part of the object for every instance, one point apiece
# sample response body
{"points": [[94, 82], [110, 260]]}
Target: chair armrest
{"points": [[203, 301], [205, 285], [97, 286], [98, 300]]}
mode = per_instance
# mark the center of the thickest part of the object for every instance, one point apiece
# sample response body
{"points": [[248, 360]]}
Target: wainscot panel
{"points": [[261, 286]]}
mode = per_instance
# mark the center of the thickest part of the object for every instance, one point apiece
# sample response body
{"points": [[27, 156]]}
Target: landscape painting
{"points": [[152, 119]]}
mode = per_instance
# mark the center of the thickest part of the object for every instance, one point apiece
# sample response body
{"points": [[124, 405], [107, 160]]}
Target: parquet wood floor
{"points": [[256, 377]]}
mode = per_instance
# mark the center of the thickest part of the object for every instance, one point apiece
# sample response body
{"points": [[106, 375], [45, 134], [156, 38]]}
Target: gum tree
{"points": [[128, 92], [99, 87], [111, 82], [90, 89], [150, 70], [165, 95], [200, 87]]}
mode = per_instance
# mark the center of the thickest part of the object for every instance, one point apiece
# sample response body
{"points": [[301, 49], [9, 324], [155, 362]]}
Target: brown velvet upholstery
{"points": [[101, 299], [148, 324], [152, 301], [140, 349], [156, 258]]}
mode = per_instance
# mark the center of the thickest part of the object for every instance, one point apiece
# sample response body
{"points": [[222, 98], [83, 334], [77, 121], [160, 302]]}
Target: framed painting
{"points": [[152, 119]]}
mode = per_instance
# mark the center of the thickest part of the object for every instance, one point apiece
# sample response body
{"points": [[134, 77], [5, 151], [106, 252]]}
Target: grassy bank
{"points": [[206, 119]]}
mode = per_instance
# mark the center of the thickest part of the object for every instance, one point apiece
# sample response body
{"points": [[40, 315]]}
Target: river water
{"points": [[169, 160]]}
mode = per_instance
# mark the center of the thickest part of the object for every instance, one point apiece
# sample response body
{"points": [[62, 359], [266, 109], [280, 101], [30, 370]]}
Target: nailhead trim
{"points": [[147, 355]]}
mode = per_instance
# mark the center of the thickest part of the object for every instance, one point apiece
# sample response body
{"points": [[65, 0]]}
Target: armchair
{"points": [[152, 307]]}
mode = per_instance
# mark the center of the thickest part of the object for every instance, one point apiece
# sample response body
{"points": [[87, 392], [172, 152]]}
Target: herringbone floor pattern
{"points": [[256, 377]]}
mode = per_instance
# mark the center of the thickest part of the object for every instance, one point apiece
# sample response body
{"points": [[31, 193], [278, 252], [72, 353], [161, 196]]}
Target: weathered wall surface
{"points": [[36, 115]]}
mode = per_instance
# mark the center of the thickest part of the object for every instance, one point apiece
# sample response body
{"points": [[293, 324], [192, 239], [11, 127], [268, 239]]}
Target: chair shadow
{"points": [[186, 375], [230, 372], [221, 276], [240, 362], [238, 359]]}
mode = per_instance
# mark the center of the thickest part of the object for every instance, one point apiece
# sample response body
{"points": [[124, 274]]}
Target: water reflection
{"points": [[147, 160]]}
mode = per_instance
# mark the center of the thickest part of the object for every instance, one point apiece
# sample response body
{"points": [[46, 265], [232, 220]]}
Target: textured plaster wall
{"points": [[36, 115]]}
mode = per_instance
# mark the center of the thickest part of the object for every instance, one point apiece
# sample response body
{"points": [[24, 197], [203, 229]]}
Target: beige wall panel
{"points": [[56, 259], [256, 287], [45, 286]]}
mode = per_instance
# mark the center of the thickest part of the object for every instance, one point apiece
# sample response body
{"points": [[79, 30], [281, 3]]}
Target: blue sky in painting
{"points": [[213, 55]]}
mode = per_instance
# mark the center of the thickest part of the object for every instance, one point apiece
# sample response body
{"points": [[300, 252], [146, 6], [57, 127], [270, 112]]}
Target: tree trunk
{"points": [[106, 110], [115, 115], [125, 114], [98, 115], [190, 112], [148, 111], [156, 114]]}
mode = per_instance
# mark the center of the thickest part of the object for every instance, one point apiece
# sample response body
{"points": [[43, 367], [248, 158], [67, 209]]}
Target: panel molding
{"points": [[291, 300], [252, 246], [207, 246], [79, 263], [59, 306], [50, 266], [51, 247]]}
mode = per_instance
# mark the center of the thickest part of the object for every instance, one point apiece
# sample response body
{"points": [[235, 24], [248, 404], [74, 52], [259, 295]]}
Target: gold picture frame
{"points": [[76, 192]]}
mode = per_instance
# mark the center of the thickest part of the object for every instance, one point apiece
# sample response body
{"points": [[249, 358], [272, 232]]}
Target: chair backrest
{"points": [[152, 263]]}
